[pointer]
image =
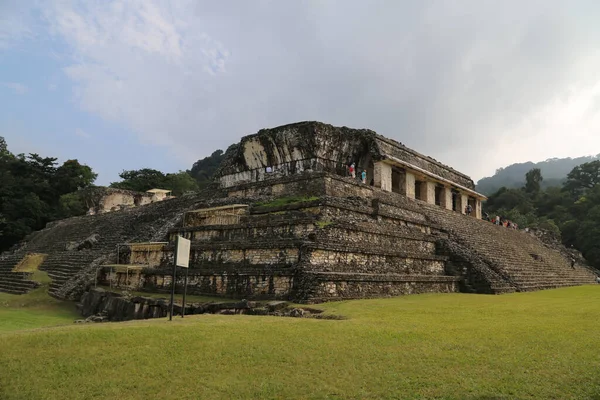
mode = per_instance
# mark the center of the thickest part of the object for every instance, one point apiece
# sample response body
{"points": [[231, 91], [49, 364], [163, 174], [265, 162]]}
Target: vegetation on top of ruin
{"points": [[323, 223], [452, 346], [571, 211]]}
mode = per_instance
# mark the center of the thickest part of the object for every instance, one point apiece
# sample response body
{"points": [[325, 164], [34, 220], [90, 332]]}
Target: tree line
{"points": [[571, 210], [35, 190], [31, 190]]}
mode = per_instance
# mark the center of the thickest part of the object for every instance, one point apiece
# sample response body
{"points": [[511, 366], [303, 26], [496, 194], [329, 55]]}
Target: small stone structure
{"points": [[101, 200], [285, 221]]}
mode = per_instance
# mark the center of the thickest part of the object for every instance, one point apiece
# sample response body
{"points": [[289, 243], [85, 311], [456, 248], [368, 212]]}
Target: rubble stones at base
{"points": [[99, 305]]}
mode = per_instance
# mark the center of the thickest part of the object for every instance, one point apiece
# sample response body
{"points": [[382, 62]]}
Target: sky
{"points": [[129, 84]]}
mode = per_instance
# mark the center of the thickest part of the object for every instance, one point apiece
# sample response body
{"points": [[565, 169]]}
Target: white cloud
{"points": [[17, 88], [82, 134], [52, 87], [476, 85], [143, 64]]}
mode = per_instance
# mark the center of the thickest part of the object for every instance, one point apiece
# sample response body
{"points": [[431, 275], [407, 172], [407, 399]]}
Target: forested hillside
{"points": [[554, 170], [571, 210]]}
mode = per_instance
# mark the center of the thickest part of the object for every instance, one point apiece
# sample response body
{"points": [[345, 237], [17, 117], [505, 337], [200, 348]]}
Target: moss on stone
{"points": [[323, 224]]}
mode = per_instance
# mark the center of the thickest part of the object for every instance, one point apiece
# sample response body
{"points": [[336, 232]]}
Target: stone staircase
{"points": [[14, 282], [73, 244], [522, 260], [62, 266]]}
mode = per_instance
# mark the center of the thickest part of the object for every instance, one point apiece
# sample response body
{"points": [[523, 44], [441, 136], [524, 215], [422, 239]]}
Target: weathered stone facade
{"points": [[313, 146], [100, 200], [304, 230]]}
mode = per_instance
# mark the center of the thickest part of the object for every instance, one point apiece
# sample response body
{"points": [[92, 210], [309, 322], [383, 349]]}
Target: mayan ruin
{"points": [[289, 216]]}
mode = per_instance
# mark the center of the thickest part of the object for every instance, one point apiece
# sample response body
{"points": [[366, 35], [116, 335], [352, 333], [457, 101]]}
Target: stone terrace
{"points": [[76, 244]]}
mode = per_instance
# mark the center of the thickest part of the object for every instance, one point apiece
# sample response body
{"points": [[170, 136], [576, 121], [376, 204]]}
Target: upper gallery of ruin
{"points": [[315, 146]]}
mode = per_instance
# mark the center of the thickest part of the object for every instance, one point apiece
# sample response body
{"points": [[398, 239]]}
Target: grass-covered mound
{"points": [[456, 346]]}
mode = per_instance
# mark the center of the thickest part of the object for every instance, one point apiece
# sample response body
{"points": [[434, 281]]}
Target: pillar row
{"points": [[446, 200], [464, 200], [407, 185], [383, 176], [428, 192]]}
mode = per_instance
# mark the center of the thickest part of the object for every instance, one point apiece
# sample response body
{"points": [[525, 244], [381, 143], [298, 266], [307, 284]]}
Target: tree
{"points": [[140, 180], [180, 183], [3, 148], [146, 179], [71, 205], [509, 199], [583, 177], [533, 180], [203, 170], [30, 192], [72, 176], [588, 236]]}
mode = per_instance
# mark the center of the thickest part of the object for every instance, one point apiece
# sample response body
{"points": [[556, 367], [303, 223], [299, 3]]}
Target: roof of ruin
{"points": [[313, 137], [158, 191]]}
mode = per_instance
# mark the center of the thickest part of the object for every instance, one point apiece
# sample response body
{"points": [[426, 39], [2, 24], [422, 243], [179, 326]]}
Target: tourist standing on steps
{"points": [[352, 171], [363, 176], [497, 220]]}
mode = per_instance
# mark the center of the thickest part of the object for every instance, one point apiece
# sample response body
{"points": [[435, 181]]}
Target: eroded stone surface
{"points": [[306, 232]]}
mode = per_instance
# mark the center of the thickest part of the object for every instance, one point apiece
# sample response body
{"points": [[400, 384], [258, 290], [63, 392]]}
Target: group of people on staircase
{"points": [[497, 220]]}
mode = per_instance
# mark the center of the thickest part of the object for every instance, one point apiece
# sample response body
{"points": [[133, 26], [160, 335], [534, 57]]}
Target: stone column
{"points": [[478, 211], [383, 176], [428, 192], [446, 200], [407, 185], [464, 200]]}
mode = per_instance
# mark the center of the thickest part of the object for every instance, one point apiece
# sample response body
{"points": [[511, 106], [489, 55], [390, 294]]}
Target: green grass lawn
{"points": [[453, 346], [35, 309]]}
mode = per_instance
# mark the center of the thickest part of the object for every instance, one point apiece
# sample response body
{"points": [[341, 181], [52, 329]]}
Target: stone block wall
{"points": [[327, 287], [222, 215], [256, 283]]}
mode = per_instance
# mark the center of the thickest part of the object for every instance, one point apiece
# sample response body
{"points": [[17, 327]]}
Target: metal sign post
{"points": [[184, 292], [173, 280], [182, 259]]}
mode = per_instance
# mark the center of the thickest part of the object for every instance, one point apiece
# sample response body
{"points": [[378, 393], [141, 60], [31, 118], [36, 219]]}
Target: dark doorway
{"points": [[455, 200], [439, 192], [418, 185]]}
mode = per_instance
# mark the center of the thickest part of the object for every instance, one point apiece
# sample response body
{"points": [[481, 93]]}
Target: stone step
{"points": [[11, 290]]}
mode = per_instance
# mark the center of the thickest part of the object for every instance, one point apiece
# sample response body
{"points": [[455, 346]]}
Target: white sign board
{"points": [[182, 254]]}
